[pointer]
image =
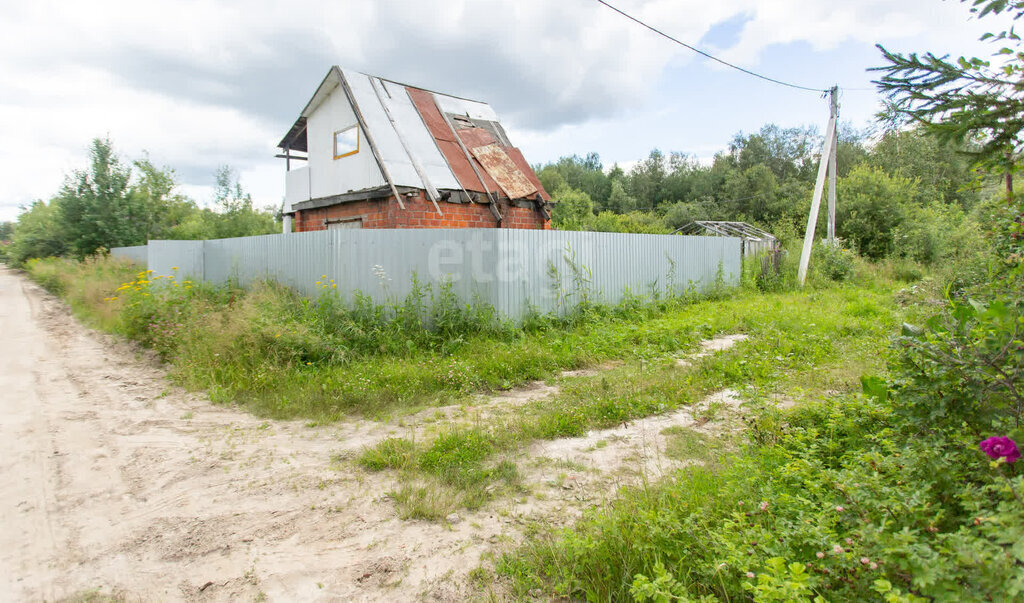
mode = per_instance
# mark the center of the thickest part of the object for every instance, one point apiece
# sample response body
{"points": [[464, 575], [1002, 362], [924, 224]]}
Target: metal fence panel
{"points": [[138, 254], [513, 270], [181, 259]]}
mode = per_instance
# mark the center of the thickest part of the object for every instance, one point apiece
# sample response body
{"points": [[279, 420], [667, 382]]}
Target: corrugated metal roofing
{"points": [[412, 130], [506, 173]]}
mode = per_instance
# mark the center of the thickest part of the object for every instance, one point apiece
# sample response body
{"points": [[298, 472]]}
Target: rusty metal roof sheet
{"points": [[504, 171], [517, 158]]}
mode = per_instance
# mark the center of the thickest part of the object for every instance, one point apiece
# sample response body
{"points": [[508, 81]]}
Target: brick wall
{"points": [[419, 212]]}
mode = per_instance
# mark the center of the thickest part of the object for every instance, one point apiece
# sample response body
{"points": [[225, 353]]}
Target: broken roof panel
{"points": [[461, 106], [517, 158], [504, 171]]}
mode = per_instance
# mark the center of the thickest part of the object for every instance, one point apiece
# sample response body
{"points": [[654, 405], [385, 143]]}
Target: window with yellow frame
{"points": [[346, 142]]}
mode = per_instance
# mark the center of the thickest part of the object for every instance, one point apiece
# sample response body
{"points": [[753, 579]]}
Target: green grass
{"points": [[883, 495], [392, 453], [801, 345], [283, 356], [454, 471], [686, 444]]}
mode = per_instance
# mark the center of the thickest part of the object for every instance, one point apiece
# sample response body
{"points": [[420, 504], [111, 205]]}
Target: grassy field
{"points": [[845, 496], [800, 345], [286, 357], [283, 356]]}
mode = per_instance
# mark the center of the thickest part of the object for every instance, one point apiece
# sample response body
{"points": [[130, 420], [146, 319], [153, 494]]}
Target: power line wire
{"points": [[710, 56]]}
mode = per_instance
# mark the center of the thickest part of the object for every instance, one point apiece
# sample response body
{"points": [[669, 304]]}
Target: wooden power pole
{"points": [[827, 166]]}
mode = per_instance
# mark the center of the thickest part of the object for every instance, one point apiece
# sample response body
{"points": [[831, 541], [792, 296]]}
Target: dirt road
{"points": [[113, 481]]}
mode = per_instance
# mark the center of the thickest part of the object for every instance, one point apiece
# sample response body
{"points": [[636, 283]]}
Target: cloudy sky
{"points": [[201, 83]]}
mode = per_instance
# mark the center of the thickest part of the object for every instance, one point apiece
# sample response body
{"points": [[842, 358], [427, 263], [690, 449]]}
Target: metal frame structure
{"points": [[727, 229], [745, 232]]}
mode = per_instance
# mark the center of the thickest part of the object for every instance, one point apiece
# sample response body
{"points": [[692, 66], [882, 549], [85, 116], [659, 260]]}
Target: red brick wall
{"points": [[419, 212]]}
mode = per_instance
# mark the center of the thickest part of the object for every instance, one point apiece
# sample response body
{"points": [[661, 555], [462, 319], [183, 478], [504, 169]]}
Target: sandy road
{"points": [[112, 479]]}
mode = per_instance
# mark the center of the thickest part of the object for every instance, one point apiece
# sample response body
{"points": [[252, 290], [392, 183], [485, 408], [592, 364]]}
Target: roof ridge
{"points": [[403, 84]]}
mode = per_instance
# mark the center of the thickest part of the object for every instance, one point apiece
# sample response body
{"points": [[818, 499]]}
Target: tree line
{"points": [[904, 192], [118, 203]]}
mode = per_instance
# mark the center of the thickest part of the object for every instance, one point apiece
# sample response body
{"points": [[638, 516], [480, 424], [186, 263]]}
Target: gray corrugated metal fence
{"points": [[137, 254], [508, 268]]}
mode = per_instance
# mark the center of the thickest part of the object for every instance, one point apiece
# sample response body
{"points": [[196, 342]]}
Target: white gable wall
{"points": [[329, 176]]}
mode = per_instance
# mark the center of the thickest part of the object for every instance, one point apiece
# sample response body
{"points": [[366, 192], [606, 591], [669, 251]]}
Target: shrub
{"points": [[873, 205], [833, 262]]}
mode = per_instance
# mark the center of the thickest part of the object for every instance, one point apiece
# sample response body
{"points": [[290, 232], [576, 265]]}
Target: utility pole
{"points": [[827, 165], [834, 114]]}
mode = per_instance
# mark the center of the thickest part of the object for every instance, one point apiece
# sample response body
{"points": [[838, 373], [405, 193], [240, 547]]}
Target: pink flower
{"points": [[764, 505], [873, 565], [837, 549], [839, 509], [750, 574], [820, 555], [864, 561], [1000, 447]]}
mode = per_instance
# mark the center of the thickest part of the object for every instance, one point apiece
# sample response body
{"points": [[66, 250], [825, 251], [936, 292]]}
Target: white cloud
{"points": [[935, 25], [202, 83]]}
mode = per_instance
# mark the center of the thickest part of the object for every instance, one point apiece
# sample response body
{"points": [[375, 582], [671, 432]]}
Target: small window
{"points": [[346, 142]]}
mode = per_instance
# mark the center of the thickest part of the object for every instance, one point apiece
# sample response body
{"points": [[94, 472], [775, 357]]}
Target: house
{"points": [[367, 152]]}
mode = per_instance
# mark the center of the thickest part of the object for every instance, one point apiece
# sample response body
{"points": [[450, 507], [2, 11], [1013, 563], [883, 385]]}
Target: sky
{"points": [[196, 84]]}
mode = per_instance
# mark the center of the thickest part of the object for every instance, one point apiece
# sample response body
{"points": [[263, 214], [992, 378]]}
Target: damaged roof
{"points": [[428, 140]]}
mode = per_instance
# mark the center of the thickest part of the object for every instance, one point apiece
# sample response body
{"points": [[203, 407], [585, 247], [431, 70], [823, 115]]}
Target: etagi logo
{"points": [[481, 260]]}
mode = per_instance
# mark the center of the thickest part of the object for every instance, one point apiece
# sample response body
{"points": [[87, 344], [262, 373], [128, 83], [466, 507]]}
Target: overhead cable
{"points": [[710, 56]]}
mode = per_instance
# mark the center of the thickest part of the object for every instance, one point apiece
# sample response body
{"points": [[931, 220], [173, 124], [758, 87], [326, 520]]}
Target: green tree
{"points": [[752, 194], [157, 206], [39, 233], [551, 179], [619, 200], [96, 206], [873, 205], [644, 182], [681, 213], [968, 100], [942, 167], [573, 210], [581, 173], [787, 152], [850, 152], [237, 217]]}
